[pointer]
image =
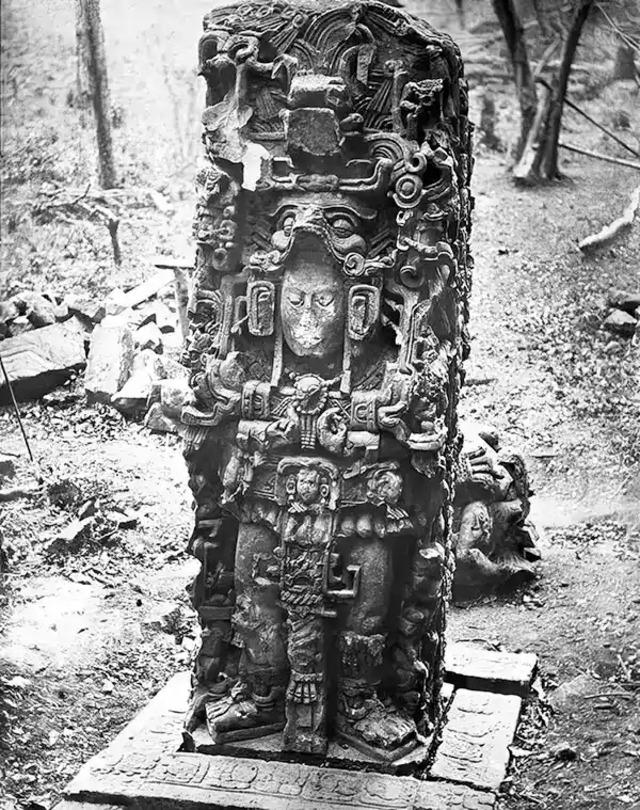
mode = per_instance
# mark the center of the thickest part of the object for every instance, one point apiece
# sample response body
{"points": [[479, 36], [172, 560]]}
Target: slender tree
{"points": [[541, 109], [514, 36], [93, 84]]}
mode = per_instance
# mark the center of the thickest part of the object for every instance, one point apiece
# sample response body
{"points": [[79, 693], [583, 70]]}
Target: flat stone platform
{"points": [[145, 766]]}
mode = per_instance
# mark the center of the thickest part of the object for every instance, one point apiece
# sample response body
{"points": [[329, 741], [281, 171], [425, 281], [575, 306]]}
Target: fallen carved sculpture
{"points": [[327, 332], [494, 538]]}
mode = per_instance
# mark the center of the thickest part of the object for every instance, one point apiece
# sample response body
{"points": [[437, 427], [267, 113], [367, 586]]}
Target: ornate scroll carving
{"points": [[327, 334]]}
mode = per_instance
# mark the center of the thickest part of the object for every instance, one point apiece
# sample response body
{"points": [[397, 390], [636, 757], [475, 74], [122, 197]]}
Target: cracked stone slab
{"points": [[471, 667], [476, 736], [143, 767]]}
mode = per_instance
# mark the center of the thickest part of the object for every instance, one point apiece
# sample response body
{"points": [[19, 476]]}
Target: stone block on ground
{"points": [[628, 300], [110, 361], [149, 336], [90, 310], [476, 737], [146, 371], [143, 767], [475, 668], [620, 323], [39, 360]]}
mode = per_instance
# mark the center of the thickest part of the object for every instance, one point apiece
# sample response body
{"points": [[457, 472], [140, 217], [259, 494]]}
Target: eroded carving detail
{"points": [[494, 538], [327, 334]]}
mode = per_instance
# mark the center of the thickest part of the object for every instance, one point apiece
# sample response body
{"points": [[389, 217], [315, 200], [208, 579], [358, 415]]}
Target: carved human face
{"points": [[308, 486], [312, 305]]}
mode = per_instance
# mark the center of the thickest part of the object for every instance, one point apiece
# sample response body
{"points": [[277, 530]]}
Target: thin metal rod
{"points": [[16, 409], [598, 156]]}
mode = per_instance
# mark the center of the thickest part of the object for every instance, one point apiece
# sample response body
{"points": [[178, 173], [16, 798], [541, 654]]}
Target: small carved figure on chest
{"points": [[327, 334]]}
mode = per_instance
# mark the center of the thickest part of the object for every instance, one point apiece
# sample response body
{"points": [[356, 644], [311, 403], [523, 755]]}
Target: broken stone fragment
{"points": [[110, 361], [158, 422], [7, 467], [621, 323], [146, 370], [627, 300], [40, 360], [71, 537], [123, 520], [38, 309], [92, 311], [174, 395], [61, 311], [20, 325], [8, 313], [149, 336], [164, 317]]}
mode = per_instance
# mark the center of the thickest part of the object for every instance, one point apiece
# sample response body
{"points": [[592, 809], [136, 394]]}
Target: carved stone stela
{"points": [[326, 339]]}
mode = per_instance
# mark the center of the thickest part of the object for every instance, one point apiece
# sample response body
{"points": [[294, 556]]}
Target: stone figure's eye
{"points": [[287, 224], [295, 297], [342, 227], [324, 298]]}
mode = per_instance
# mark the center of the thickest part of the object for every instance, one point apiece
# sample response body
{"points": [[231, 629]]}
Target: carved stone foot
{"points": [[243, 715], [371, 726]]}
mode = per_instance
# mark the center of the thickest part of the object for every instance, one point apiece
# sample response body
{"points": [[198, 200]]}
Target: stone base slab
{"points": [[471, 667], [144, 767]]}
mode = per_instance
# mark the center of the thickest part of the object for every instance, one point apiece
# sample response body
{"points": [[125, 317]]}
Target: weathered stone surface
{"points": [[110, 360], [475, 668], [494, 539], [143, 767], [621, 323], [476, 737], [174, 394], [39, 360], [149, 336], [628, 300], [166, 320], [146, 371], [7, 467], [87, 308], [158, 422]]}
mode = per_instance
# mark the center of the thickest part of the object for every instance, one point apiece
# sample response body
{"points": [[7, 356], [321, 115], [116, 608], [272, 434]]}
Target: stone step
{"points": [[476, 737], [470, 667]]}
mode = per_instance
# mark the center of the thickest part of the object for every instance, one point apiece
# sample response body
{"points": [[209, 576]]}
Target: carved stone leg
{"points": [[363, 718], [255, 706], [415, 674], [213, 543]]}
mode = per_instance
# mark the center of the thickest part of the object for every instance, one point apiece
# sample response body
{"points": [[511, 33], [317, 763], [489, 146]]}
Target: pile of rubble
{"points": [[624, 313], [130, 344]]}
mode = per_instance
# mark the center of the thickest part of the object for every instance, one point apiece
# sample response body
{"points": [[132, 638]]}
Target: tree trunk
{"points": [[625, 66], [93, 84], [549, 161], [513, 31]]}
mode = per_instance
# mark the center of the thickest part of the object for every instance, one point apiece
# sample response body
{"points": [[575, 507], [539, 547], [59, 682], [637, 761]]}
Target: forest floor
{"points": [[86, 639]]}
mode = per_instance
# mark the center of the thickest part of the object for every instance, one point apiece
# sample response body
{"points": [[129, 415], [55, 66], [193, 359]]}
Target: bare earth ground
{"points": [[87, 638]]}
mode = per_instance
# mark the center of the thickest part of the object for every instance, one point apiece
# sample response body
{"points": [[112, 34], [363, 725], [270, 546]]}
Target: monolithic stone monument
{"points": [[327, 333]]}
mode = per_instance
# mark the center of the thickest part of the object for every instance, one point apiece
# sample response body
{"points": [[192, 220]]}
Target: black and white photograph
{"points": [[320, 405]]}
